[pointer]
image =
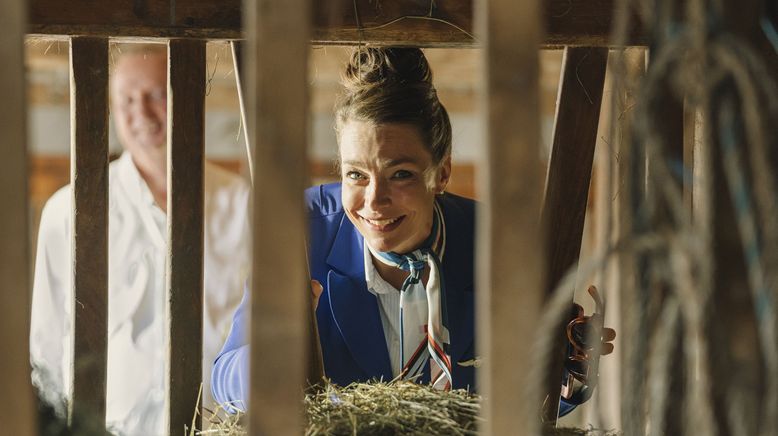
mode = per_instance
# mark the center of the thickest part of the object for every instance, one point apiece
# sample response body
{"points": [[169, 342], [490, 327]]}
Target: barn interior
{"points": [[624, 144]]}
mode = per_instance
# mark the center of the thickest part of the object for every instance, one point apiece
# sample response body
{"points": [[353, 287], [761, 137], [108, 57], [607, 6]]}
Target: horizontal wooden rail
{"points": [[406, 22]]}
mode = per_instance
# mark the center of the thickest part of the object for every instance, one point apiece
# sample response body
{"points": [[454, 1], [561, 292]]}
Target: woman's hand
{"points": [[582, 362], [583, 355], [316, 290]]}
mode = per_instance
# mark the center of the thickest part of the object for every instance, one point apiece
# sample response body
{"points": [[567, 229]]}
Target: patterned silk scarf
{"points": [[434, 344]]}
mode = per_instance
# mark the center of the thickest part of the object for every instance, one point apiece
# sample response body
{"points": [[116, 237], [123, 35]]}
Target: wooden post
{"points": [[567, 184], [89, 176], [17, 410], [185, 199], [276, 53], [510, 255], [627, 270]]}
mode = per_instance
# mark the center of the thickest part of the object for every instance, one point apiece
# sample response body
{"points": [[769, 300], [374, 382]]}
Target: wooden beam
{"points": [[17, 407], [568, 177], [185, 201], [277, 52], [89, 176], [509, 239], [401, 22]]}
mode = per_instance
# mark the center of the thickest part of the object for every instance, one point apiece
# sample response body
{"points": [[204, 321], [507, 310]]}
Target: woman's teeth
{"points": [[381, 222]]}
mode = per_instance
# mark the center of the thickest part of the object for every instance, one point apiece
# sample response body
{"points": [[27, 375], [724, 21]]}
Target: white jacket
{"points": [[136, 311]]}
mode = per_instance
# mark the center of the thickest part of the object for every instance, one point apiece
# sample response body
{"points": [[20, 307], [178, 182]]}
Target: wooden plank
{"points": [[509, 257], [89, 176], [401, 22], [185, 201], [17, 407], [277, 52], [629, 186], [568, 178]]}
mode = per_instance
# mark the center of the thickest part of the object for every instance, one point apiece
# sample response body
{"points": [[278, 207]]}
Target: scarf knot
{"points": [[415, 267]]}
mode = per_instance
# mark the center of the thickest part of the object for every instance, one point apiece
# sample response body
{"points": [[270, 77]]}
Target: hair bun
{"points": [[385, 66]]}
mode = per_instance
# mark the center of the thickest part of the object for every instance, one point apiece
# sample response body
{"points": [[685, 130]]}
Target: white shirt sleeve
{"points": [[50, 320]]}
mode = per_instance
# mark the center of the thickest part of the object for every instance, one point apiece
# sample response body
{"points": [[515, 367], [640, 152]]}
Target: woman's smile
{"points": [[383, 225]]}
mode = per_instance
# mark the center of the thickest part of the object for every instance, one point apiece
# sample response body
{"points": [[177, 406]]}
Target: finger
{"points": [[608, 334], [316, 290], [606, 349]]}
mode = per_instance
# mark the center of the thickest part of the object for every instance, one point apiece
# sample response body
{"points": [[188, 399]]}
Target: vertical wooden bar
{"points": [[185, 200], [567, 183], [17, 410], [510, 255], [627, 270], [277, 52], [89, 176]]}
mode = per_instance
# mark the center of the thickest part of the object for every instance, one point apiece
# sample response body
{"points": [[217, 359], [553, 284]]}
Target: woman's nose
{"points": [[377, 194]]}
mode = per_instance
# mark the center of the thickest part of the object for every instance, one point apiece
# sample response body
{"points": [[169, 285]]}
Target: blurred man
{"points": [[137, 256]]}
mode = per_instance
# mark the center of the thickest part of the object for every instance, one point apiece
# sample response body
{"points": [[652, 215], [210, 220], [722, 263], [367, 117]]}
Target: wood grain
{"points": [[401, 22], [89, 178], [17, 410], [509, 239], [185, 201], [568, 178], [277, 53]]}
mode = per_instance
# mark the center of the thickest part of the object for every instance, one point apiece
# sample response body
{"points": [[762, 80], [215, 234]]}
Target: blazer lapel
{"points": [[354, 308]]}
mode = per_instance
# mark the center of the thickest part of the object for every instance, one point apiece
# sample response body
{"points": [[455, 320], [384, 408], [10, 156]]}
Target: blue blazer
{"points": [[350, 330]]}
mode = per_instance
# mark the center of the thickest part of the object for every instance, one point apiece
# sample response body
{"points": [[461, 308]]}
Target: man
{"points": [[137, 256]]}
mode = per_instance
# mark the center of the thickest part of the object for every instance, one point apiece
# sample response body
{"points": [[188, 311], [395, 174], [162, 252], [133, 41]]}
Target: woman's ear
{"points": [[444, 174]]}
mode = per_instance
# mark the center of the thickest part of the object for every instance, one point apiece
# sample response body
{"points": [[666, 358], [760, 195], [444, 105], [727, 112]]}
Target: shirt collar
{"points": [[375, 283], [135, 186]]}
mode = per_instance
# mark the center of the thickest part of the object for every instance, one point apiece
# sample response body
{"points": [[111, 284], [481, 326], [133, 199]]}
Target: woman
{"points": [[392, 250]]}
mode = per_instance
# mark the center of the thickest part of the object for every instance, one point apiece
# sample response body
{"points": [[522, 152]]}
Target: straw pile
{"points": [[385, 409], [377, 408]]}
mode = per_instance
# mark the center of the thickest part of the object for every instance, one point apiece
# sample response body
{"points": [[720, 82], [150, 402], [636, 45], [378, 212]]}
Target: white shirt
{"points": [[136, 311]]}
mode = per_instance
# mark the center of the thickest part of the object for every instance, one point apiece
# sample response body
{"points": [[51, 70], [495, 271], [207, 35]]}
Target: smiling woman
{"points": [[390, 252]]}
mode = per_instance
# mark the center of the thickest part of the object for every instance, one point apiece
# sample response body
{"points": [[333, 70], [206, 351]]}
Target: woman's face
{"points": [[389, 183]]}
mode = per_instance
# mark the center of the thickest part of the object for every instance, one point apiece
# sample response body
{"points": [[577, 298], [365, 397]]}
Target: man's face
{"points": [[139, 104]]}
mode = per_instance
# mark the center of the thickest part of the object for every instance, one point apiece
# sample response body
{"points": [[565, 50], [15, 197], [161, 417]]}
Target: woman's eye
{"points": [[353, 175], [402, 174]]}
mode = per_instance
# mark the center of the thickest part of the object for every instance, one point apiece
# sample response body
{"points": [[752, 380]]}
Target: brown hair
{"points": [[394, 85]]}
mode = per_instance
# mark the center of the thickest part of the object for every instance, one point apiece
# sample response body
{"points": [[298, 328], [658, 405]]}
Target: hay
{"points": [[391, 409], [385, 409], [377, 408]]}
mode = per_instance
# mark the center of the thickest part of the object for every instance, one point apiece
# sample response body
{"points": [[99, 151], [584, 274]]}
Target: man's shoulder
{"points": [[58, 204]]}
